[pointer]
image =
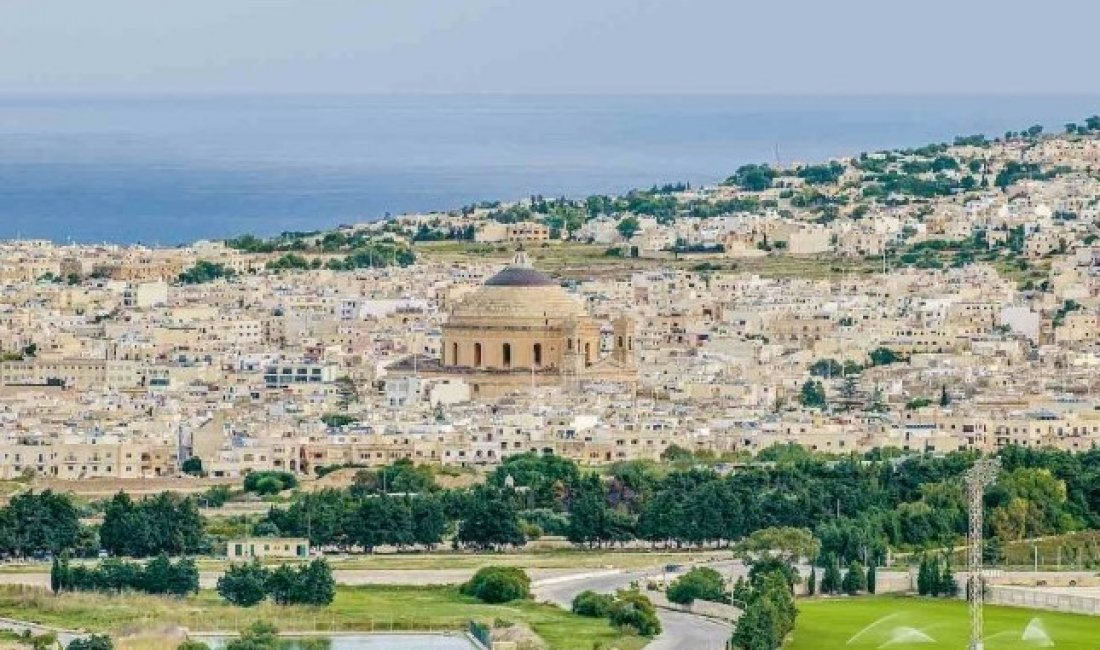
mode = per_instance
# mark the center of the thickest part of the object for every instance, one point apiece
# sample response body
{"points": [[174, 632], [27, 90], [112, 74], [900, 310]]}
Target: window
{"points": [[506, 354], [538, 354], [454, 353], [477, 355]]}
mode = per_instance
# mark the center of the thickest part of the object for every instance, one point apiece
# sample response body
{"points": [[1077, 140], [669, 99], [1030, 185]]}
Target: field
{"points": [[355, 609], [586, 260], [889, 622]]}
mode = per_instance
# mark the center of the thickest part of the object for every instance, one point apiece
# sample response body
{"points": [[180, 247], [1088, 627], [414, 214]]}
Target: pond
{"points": [[364, 642]]}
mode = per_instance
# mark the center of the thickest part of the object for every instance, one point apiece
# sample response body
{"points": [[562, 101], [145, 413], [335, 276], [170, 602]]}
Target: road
{"points": [[348, 577], [679, 631]]}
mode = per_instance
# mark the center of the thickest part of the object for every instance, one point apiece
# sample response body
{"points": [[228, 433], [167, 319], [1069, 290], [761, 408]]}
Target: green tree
{"points": [[243, 585], [315, 585], [831, 579], [192, 466], [826, 368], [754, 178], [60, 573], [948, 585], [628, 227], [786, 543], [855, 580], [812, 395], [490, 520], [884, 357], [811, 582], [768, 617], [203, 272]]}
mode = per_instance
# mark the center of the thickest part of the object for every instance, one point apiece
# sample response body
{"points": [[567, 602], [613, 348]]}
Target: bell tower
{"points": [[623, 349]]}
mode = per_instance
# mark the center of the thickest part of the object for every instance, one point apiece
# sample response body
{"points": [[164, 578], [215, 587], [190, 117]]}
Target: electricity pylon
{"points": [[978, 477]]}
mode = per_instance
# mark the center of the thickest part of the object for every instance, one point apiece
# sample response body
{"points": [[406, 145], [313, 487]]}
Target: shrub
{"points": [[701, 583], [94, 642], [591, 604], [259, 636], [634, 611], [498, 585], [192, 645], [279, 481]]}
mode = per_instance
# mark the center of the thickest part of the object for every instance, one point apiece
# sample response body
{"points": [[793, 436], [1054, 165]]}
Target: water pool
{"points": [[366, 642]]}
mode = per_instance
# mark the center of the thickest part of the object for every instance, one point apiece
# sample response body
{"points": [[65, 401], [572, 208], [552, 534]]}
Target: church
{"points": [[522, 329]]}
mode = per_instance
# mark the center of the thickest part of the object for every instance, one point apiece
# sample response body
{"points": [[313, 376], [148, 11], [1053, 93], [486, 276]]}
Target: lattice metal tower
{"points": [[980, 476]]}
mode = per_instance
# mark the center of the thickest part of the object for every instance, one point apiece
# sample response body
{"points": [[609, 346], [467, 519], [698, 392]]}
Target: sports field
{"points": [[925, 624]]}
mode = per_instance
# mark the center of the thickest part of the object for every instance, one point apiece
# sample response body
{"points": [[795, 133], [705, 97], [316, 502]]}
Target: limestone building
{"points": [[522, 329]]}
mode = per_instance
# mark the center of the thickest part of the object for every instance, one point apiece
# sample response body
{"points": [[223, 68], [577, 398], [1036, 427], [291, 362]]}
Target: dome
{"points": [[520, 276], [519, 294]]}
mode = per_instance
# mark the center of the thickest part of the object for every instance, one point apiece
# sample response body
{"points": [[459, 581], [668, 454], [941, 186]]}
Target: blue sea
{"points": [[168, 170]]}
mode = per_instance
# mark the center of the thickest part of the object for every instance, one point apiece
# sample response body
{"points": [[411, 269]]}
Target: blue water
{"points": [[172, 170]]}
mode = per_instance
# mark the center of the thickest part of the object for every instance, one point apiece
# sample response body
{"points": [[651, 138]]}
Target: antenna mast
{"points": [[981, 475]]}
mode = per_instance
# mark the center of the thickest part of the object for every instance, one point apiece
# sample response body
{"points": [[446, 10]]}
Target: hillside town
{"points": [[928, 300]]}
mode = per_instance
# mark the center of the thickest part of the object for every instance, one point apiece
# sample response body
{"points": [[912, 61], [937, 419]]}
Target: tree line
{"points": [[858, 506], [158, 576]]}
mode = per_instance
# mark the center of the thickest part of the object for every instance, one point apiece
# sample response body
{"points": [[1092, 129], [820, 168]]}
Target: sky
{"points": [[549, 46]]}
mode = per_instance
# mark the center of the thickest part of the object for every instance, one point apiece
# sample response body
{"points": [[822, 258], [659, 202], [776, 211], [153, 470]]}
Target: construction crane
{"points": [[978, 478]]}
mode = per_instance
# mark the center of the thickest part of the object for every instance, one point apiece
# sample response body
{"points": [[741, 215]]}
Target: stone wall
{"points": [[1056, 601]]}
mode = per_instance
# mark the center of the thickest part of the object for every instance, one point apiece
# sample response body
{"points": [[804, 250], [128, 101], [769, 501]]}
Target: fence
{"points": [[480, 633], [1033, 598]]}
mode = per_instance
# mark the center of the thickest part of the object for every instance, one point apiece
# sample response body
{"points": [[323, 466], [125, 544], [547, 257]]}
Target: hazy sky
{"points": [[532, 46]]}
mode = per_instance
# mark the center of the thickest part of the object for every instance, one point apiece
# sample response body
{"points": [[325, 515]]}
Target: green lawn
{"points": [[926, 624], [375, 608]]}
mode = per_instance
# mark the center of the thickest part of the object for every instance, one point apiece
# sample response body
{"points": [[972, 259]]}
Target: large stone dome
{"points": [[518, 295]]}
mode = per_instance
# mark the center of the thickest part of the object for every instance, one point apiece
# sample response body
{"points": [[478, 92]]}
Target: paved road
{"points": [[350, 577], [680, 631]]}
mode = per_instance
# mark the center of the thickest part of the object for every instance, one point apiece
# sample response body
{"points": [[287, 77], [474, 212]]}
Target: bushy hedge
{"points": [[269, 482], [626, 610], [591, 604], [498, 585], [633, 611], [701, 583], [159, 576]]}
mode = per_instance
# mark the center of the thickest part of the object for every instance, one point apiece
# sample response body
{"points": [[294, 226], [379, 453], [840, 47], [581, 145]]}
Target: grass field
{"points": [[355, 609], [901, 623], [574, 259]]}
